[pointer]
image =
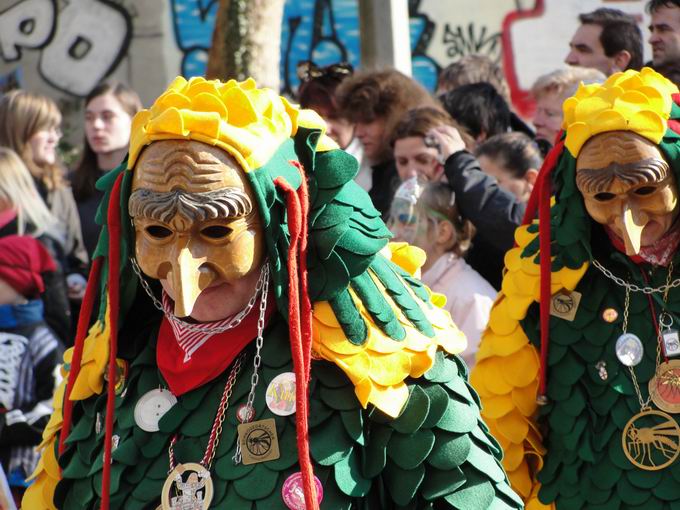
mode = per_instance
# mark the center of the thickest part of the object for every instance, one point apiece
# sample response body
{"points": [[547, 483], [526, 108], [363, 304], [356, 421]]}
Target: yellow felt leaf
{"points": [[521, 481], [390, 399], [498, 406], [491, 369], [521, 368], [323, 312], [356, 366], [409, 258], [422, 362], [518, 306], [514, 426], [390, 369], [513, 456], [499, 319], [524, 398], [50, 462]]}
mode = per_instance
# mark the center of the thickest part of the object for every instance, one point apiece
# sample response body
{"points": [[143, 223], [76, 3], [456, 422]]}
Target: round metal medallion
{"points": [[629, 349], [151, 407]]}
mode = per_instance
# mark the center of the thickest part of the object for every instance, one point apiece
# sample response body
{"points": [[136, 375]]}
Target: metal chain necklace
{"points": [[235, 321], [650, 438], [195, 491], [636, 288]]}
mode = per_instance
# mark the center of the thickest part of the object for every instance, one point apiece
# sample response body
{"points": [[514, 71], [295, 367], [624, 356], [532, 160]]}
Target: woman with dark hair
{"points": [[375, 101], [108, 116], [415, 153], [514, 160]]}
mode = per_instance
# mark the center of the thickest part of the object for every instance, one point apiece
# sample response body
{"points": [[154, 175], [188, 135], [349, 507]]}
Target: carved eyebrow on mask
{"points": [[227, 203], [596, 180]]}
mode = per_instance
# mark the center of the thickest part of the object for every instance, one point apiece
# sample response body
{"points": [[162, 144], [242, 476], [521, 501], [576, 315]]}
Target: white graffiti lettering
{"points": [[28, 24], [90, 38]]}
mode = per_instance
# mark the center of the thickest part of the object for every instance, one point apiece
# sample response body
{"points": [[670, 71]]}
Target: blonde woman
{"points": [[23, 212], [30, 125]]}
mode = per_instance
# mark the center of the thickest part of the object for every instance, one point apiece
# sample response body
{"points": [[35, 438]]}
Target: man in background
{"points": [[608, 39]]}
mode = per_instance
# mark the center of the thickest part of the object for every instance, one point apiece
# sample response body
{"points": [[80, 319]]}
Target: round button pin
{"points": [[245, 413], [281, 394], [293, 495], [151, 407], [610, 315], [629, 349]]}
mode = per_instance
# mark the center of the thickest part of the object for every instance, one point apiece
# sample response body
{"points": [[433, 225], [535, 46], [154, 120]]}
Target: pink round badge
{"points": [[245, 413], [293, 495]]}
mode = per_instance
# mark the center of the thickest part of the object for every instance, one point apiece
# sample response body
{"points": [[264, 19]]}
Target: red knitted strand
{"points": [[546, 169], [544, 191], [113, 290], [296, 218], [306, 312], [77, 357], [544, 243]]}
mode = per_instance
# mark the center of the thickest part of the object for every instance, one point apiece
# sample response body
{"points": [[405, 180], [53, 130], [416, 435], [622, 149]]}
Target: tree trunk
{"points": [[246, 41]]}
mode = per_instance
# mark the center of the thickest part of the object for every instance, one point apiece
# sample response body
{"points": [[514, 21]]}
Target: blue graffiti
{"points": [[193, 22], [325, 31]]}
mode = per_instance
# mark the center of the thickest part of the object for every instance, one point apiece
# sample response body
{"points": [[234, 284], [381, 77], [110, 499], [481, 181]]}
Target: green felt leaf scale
{"points": [[363, 458]]}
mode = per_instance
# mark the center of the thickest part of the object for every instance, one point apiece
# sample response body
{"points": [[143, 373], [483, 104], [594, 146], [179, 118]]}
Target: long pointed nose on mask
{"points": [[632, 222], [187, 281]]}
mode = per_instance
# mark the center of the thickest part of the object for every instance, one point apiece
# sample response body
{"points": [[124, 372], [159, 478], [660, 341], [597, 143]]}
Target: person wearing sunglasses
{"points": [[317, 92]]}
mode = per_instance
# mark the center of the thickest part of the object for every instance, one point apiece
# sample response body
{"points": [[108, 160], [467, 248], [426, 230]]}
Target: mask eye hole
{"points": [[216, 232], [158, 231], [645, 190], [604, 197]]}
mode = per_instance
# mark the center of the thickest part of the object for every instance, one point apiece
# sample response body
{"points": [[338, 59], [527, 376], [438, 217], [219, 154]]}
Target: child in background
{"points": [[425, 214], [29, 354]]}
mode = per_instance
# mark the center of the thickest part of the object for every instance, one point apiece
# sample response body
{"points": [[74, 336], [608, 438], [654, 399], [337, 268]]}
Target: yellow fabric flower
{"points": [[638, 101], [379, 367], [247, 122], [507, 370]]}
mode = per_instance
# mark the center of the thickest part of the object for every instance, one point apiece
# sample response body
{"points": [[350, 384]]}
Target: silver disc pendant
{"points": [[629, 349]]}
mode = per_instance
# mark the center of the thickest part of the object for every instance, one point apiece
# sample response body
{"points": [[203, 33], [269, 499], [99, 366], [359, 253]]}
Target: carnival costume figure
{"points": [[578, 370], [258, 343]]}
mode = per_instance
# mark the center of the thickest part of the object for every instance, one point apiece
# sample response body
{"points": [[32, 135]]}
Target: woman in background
{"points": [[23, 212], [109, 109], [30, 125]]}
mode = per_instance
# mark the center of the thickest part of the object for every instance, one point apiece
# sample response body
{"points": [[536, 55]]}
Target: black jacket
{"points": [[494, 212], [385, 183]]}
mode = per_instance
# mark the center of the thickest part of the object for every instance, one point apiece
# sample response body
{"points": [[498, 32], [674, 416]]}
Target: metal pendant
{"points": [[671, 343], [151, 407], [629, 349], [565, 305], [650, 440], [664, 387], [188, 487], [258, 441]]}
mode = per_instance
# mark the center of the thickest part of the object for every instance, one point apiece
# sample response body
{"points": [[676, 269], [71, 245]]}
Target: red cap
{"points": [[22, 260]]}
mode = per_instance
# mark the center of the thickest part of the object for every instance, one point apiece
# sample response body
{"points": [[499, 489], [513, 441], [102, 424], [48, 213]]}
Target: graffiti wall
{"points": [[64, 48]]}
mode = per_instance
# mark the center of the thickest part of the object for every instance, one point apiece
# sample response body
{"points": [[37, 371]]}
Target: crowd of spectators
{"points": [[451, 172]]}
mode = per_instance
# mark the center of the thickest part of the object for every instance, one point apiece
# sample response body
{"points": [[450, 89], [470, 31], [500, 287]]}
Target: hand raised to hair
{"points": [[448, 138]]}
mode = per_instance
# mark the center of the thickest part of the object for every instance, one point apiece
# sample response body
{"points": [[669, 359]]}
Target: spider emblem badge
{"points": [[651, 440]]}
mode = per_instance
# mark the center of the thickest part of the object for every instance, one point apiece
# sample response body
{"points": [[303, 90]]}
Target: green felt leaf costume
{"points": [[393, 422], [569, 453]]}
